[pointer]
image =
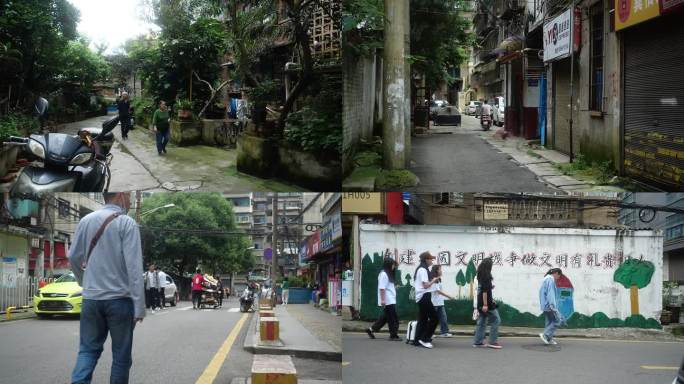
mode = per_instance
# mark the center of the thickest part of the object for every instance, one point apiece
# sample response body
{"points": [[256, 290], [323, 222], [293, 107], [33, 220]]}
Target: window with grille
{"points": [[63, 208], [596, 57]]}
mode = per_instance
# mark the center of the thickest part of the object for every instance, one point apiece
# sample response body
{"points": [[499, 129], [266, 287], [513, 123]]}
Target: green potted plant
{"points": [[184, 108], [260, 96]]}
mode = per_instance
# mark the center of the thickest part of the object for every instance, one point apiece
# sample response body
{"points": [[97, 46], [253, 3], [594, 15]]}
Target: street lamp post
{"points": [[158, 208]]}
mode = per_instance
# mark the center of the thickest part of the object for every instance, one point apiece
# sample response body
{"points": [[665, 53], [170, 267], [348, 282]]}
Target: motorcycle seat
{"points": [[95, 134]]}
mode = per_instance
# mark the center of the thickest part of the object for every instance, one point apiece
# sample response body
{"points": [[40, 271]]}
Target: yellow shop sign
{"points": [[631, 12]]}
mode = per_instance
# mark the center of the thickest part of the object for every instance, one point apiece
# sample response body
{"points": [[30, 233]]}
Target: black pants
{"points": [[196, 297], [427, 319], [154, 294], [389, 317], [148, 298], [125, 125], [220, 297], [162, 299]]}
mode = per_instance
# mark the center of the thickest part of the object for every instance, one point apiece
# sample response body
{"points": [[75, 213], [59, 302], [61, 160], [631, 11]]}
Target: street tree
{"points": [[199, 229], [634, 274]]}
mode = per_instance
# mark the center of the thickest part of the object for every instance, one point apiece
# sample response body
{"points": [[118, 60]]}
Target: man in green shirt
{"points": [[286, 290], [160, 124]]}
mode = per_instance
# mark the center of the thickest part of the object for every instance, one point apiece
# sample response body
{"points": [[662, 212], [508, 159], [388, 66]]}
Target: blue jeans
{"points": [[443, 325], [162, 139], [492, 316], [99, 317], [551, 323]]}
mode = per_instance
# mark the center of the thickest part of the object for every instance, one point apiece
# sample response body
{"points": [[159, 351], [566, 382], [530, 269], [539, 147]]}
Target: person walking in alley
{"points": [[160, 125], [286, 290], [548, 301], [427, 316], [162, 285], [106, 258], [124, 107], [219, 290], [148, 286], [486, 307], [387, 299], [197, 280], [438, 302]]}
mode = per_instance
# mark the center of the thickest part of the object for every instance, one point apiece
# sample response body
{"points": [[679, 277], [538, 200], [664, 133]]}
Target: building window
{"points": [[242, 219], [259, 219], [63, 208], [596, 58]]}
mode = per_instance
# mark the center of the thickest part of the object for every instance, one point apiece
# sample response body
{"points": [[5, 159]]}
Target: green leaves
{"points": [[200, 228], [634, 272], [460, 278]]}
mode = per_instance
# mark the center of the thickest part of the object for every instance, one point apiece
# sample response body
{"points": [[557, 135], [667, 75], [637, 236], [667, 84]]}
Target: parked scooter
{"points": [[485, 122], [70, 163]]}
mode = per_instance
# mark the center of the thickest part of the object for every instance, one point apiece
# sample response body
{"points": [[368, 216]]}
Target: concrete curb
{"points": [[248, 380], [589, 333], [250, 345], [20, 315]]}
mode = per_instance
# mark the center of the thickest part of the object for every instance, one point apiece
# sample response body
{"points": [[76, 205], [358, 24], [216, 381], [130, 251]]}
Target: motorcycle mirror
{"points": [[109, 125]]}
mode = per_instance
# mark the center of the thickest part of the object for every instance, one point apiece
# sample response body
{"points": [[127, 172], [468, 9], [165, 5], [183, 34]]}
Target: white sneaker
{"points": [[445, 335], [553, 342], [544, 339], [426, 345]]}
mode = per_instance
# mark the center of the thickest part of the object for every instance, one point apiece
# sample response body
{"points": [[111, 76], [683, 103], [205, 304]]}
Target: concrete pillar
{"points": [[396, 88]]}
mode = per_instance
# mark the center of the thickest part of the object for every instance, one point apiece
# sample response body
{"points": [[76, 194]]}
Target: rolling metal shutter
{"points": [[654, 103], [561, 120]]}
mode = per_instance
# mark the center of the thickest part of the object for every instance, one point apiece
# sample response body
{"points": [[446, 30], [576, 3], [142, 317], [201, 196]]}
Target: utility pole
{"points": [[396, 85], [274, 241]]}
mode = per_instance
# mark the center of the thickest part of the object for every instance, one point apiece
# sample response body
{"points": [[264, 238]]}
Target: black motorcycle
{"points": [[70, 163], [247, 300]]}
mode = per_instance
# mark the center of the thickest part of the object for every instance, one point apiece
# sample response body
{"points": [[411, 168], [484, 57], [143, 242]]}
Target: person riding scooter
{"points": [[486, 116]]}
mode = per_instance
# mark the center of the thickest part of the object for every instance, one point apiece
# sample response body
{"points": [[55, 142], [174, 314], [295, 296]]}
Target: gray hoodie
{"points": [[115, 267]]}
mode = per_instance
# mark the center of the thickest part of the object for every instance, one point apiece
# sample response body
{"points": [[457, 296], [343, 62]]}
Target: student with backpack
{"points": [[427, 315], [387, 299], [438, 302], [486, 307]]}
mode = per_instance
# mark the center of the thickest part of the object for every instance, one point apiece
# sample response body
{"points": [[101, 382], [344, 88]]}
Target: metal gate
{"points": [[654, 103]]}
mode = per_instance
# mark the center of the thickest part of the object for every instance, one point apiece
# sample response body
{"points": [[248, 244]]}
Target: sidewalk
{"points": [[505, 331], [19, 315], [305, 332], [543, 163]]}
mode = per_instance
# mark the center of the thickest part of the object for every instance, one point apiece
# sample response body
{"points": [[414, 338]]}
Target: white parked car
{"points": [[498, 108], [171, 292], [472, 107]]}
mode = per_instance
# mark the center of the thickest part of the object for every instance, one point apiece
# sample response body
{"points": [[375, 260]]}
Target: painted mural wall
{"points": [[613, 277]]}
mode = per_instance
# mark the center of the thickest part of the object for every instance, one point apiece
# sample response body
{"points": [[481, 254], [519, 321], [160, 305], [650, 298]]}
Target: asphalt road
{"points": [[176, 345], [461, 161], [521, 361]]}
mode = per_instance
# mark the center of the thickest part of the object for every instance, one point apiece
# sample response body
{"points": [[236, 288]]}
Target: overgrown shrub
{"points": [[17, 124], [314, 132], [143, 109]]}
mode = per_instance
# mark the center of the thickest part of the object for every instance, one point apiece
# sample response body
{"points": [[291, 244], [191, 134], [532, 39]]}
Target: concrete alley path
{"points": [[136, 165], [457, 159]]}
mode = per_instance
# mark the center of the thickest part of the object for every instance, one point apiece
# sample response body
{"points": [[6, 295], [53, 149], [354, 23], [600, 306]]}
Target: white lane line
{"points": [[233, 309], [184, 308]]}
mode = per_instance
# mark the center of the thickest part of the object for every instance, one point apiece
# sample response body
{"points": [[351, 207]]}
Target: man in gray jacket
{"points": [[106, 258]]}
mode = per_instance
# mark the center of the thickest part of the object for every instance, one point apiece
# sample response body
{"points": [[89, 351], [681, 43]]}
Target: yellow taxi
{"points": [[62, 297]]}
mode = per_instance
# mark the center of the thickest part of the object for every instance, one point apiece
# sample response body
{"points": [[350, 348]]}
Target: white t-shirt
{"points": [[390, 290], [421, 277], [437, 299]]}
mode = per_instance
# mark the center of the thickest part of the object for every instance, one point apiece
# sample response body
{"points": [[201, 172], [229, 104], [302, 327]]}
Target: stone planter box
{"points": [[308, 170], [185, 132], [256, 156], [8, 157], [215, 132]]}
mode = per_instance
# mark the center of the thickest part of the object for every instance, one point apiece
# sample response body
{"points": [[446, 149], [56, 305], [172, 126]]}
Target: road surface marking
{"points": [[216, 362], [233, 309], [345, 363], [658, 367], [184, 308]]}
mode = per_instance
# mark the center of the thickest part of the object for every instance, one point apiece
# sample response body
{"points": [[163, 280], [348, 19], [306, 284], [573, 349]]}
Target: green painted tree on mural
{"points": [[460, 281], [634, 274], [470, 274]]}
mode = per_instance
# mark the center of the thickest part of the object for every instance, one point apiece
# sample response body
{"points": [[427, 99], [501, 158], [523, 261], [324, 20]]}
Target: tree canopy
{"points": [[199, 229], [439, 34], [634, 272]]}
